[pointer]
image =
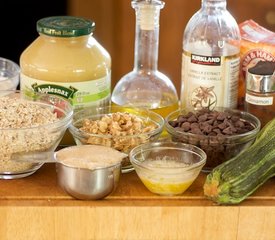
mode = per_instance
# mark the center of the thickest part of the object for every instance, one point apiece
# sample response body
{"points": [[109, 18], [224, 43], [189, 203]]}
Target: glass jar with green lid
{"points": [[66, 60]]}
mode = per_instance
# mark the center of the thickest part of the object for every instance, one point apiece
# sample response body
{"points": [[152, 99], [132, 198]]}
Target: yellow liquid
{"points": [[163, 111], [166, 188], [167, 104]]}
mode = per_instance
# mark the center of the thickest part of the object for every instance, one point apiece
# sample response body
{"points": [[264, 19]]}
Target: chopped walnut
{"points": [[121, 131]]}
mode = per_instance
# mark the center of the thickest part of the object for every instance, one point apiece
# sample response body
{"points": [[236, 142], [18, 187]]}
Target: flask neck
{"points": [[213, 4], [146, 35]]}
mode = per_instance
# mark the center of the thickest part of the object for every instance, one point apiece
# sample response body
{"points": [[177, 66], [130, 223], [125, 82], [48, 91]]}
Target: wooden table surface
{"points": [[35, 207]]}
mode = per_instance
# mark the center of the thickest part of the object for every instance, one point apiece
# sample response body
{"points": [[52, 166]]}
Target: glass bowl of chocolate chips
{"points": [[222, 133]]}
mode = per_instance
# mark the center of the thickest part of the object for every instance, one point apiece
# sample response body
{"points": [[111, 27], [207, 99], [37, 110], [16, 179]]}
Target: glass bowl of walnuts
{"points": [[121, 128]]}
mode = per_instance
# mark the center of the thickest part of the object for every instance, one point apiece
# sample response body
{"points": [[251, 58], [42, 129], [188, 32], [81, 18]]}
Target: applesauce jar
{"points": [[66, 60]]}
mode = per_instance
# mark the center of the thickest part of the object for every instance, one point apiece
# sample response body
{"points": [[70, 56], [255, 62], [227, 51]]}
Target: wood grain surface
{"points": [[35, 207]]}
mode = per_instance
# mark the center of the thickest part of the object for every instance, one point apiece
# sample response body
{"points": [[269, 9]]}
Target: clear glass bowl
{"points": [[167, 168], [124, 142], [23, 150], [9, 74], [217, 148]]}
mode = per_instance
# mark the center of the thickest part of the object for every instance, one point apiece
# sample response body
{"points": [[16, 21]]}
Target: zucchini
{"points": [[234, 180]]}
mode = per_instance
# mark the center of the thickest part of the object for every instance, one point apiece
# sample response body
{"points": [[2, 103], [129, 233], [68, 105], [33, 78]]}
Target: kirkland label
{"points": [[80, 94], [204, 60], [209, 81]]}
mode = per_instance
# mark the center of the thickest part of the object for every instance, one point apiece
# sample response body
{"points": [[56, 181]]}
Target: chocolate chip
{"points": [[217, 130], [239, 123], [189, 114], [192, 119], [221, 116], [202, 118], [207, 129], [173, 123], [211, 121], [227, 131], [196, 131], [212, 134], [235, 118], [186, 126], [222, 125], [194, 125], [181, 119], [211, 129]]}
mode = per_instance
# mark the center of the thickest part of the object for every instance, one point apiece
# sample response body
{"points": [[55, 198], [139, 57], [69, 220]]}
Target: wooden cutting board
{"points": [[35, 207]]}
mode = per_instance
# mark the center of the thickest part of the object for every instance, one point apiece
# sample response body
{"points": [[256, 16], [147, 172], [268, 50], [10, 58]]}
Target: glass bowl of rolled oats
{"points": [[121, 128], [31, 127]]}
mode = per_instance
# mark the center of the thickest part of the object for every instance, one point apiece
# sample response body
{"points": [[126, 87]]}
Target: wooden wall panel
{"points": [[262, 11]]}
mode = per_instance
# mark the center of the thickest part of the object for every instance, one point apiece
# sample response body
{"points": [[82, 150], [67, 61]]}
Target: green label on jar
{"points": [[61, 91], [80, 94]]}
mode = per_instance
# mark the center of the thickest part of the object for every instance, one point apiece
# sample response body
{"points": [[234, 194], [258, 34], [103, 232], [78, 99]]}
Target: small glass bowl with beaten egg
{"points": [[167, 168]]}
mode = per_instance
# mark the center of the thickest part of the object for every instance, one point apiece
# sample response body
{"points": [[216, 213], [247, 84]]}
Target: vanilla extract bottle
{"points": [[210, 60], [145, 86]]}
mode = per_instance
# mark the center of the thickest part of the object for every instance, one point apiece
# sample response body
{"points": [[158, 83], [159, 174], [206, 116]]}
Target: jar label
{"points": [[209, 81], [80, 94], [263, 101]]}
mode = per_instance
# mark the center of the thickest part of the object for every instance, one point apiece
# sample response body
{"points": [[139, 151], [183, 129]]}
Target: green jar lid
{"points": [[65, 26]]}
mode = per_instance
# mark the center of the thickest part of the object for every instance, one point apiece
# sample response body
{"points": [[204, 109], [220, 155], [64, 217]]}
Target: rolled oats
{"points": [[22, 130]]}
